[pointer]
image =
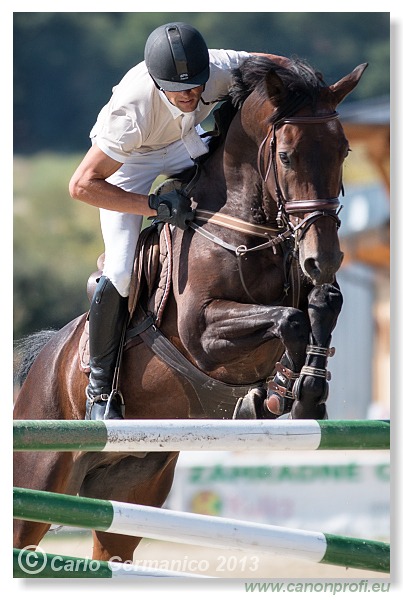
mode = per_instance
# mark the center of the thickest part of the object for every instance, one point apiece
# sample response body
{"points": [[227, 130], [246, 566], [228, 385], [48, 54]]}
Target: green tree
{"points": [[65, 64]]}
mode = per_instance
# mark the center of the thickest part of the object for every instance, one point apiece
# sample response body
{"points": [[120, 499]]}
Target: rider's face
{"points": [[185, 100]]}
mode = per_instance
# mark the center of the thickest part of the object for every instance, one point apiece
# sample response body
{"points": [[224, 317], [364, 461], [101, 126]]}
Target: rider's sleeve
{"points": [[121, 124], [119, 137], [117, 133], [221, 64]]}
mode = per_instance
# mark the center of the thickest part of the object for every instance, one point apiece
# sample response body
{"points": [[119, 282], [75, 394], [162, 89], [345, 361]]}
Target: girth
{"points": [[215, 399]]}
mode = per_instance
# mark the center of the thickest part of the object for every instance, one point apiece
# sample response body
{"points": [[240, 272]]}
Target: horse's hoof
{"points": [[245, 408], [251, 405], [275, 404]]}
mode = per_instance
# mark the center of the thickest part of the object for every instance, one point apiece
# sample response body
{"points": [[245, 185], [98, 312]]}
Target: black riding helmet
{"points": [[177, 57]]}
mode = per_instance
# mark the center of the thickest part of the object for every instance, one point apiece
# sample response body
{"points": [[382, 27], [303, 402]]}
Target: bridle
{"points": [[327, 207]]}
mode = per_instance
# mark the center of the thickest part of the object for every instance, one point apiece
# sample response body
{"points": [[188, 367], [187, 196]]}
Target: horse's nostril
{"points": [[319, 272], [312, 267]]}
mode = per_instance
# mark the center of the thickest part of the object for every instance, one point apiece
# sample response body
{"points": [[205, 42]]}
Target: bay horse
{"points": [[253, 302]]}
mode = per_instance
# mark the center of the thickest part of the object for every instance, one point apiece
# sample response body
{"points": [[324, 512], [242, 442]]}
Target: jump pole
{"points": [[216, 532], [199, 434]]}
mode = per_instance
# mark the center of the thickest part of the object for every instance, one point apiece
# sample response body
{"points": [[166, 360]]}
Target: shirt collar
{"points": [[174, 110]]}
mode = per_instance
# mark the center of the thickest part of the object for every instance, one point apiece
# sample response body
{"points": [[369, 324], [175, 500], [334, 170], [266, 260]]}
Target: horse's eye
{"points": [[284, 158]]}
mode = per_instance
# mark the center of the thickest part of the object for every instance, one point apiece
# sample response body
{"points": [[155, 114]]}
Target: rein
{"points": [[238, 225], [240, 251], [327, 207]]}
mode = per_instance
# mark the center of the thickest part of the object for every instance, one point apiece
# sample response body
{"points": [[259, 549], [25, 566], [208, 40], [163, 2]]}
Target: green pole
{"points": [[357, 554], [36, 564], [45, 507], [59, 435], [355, 435]]}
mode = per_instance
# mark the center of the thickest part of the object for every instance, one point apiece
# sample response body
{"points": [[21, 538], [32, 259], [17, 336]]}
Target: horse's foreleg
{"points": [[240, 332], [311, 389], [249, 337]]}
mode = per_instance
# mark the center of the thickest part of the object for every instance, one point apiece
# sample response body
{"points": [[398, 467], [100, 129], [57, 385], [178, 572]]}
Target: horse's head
{"points": [[302, 149]]}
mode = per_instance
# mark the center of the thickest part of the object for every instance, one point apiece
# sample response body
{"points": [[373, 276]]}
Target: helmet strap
{"points": [[178, 51]]}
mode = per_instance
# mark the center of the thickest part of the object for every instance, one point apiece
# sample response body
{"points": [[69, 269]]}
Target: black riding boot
{"points": [[108, 317]]}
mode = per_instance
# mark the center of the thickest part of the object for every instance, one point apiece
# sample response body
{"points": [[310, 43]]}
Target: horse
{"points": [[253, 298]]}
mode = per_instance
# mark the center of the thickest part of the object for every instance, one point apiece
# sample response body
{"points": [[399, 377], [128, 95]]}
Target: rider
{"points": [[149, 127]]}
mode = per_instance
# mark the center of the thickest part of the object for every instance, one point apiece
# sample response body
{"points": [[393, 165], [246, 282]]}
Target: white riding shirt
{"points": [[140, 128]]}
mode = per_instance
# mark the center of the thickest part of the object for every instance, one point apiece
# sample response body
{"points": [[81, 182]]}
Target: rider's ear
{"points": [[347, 84]]}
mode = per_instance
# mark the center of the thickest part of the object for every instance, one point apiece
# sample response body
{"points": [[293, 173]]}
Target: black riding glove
{"points": [[172, 208]]}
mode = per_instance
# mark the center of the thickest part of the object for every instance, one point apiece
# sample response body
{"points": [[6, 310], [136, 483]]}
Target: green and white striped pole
{"points": [[202, 530], [199, 434]]}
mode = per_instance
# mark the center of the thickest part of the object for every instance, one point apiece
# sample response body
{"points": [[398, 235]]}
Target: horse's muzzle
{"points": [[324, 270]]}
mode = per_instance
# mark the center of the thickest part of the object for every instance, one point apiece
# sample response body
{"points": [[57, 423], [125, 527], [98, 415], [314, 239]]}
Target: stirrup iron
{"points": [[104, 407]]}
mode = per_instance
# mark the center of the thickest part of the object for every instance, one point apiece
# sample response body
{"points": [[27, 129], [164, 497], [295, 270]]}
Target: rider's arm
{"points": [[88, 185]]}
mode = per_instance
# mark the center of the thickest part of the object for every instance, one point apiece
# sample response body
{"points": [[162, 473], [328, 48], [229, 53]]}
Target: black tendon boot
{"points": [[107, 320]]}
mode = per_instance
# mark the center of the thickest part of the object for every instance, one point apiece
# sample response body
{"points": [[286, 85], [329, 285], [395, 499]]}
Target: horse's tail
{"points": [[26, 350]]}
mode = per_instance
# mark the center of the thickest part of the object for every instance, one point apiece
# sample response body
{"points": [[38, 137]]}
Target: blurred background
{"points": [[65, 65]]}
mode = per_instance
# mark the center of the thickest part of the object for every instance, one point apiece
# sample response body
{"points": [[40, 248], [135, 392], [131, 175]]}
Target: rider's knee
{"points": [[121, 281]]}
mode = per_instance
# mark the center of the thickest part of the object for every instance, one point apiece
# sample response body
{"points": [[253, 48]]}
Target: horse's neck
{"points": [[245, 195]]}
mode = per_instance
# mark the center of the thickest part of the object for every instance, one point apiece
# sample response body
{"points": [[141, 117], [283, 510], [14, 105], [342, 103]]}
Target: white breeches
{"points": [[121, 230]]}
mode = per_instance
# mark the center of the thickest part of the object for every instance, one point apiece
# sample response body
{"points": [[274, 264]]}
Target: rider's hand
{"points": [[172, 208]]}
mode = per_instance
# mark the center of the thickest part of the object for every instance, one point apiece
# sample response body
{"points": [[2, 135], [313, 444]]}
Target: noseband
{"points": [[327, 207]]}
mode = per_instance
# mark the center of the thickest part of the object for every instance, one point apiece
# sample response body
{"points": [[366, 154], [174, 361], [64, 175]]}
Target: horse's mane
{"points": [[302, 83]]}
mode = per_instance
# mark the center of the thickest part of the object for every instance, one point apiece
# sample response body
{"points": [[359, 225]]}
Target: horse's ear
{"points": [[346, 85], [275, 88]]}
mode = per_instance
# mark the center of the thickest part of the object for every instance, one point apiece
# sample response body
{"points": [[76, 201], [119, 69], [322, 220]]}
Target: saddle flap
{"points": [[83, 348], [152, 270], [160, 275]]}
